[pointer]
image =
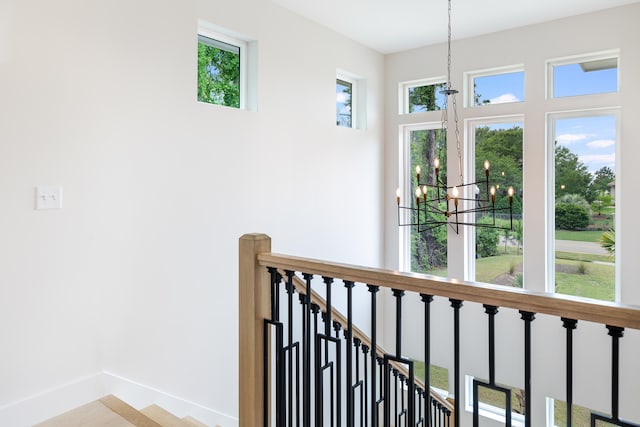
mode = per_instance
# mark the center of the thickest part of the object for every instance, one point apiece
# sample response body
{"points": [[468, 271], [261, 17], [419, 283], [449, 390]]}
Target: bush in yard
{"points": [[571, 217], [487, 242]]}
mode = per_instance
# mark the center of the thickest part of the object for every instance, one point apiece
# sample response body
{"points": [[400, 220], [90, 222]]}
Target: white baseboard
{"points": [[139, 396], [60, 399], [52, 402]]}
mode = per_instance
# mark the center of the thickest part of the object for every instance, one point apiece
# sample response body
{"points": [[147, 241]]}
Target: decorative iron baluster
{"points": [[427, 299], [374, 401], [456, 304], [569, 325], [349, 354], [365, 360], [528, 317]]}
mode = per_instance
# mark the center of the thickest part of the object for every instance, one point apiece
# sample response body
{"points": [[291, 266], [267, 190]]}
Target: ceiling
{"points": [[395, 25]]}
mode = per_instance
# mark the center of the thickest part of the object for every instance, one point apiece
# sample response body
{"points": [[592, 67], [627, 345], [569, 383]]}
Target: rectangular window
{"points": [[218, 72], [498, 252], [422, 95], [584, 147], [492, 403], [344, 103], [497, 86], [586, 75], [426, 250]]}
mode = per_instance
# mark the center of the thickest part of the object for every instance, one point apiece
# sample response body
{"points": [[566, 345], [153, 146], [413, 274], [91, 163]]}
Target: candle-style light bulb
{"points": [[510, 193], [492, 190], [454, 193], [418, 194], [398, 195], [436, 165], [418, 173], [486, 167], [424, 193]]}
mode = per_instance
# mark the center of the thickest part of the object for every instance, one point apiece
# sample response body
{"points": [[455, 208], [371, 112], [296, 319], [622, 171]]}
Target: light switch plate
{"points": [[48, 197]]}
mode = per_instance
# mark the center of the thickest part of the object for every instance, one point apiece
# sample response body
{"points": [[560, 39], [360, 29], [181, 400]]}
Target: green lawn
{"points": [[488, 269], [439, 377], [598, 281], [580, 416], [579, 236], [584, 257]]}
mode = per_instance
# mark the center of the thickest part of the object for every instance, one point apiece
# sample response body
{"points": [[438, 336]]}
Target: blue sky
{"points": [[593, 139]]}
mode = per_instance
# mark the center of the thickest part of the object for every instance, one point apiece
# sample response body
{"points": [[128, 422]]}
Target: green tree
{"points": [[601, 180], [572, 176], [423, 98], [218, 76]]}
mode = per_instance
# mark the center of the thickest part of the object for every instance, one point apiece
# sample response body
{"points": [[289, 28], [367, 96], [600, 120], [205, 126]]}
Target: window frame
{"points": [[341, 77], [551, 118], [215, 33], [578, 59], [470, 137], [403, 92], [470, 76]]}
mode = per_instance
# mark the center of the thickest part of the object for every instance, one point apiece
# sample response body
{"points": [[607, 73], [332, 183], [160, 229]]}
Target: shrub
{"points": [[487, 242], [571, 217]]}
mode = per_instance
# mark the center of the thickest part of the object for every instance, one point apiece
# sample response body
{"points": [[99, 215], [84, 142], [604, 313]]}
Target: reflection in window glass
{"points": [[585, 206], [344, 92], [425, 98], [428, 247], [499, 252], [585, 78], [498, 88]]}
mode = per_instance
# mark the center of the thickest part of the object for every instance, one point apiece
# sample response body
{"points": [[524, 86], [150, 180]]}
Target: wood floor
{"points": [[113, 412]]}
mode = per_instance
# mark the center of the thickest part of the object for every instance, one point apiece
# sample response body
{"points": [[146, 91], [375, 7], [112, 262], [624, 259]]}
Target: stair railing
{"points": [[292, 355]]}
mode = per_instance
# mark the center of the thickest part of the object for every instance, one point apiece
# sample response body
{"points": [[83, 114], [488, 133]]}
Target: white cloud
{"points": [[342, 97], [504, 98], [570, 138], [599, 159], [601, 143]]}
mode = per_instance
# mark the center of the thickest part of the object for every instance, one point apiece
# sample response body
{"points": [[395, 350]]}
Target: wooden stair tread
{"points": [[89, 415], [163, 417], [192, 422], [128, 412]]}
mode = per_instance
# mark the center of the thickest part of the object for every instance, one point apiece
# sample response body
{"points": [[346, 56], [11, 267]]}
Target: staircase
{"points": [[113, 412]]}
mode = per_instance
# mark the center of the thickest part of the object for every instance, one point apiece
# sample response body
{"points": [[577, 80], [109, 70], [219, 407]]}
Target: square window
{"points": [[344, 103], [421, 96], [588, 75], [499, 86], [218, 72]]}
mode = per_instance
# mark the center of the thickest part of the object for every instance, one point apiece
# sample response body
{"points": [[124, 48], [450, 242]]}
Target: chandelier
{"points": [[437, 204]]}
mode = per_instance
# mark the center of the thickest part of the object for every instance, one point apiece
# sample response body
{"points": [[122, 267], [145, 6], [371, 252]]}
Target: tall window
{"points": [[499, 251], [427, 250], [584, 149], [344, 103]]}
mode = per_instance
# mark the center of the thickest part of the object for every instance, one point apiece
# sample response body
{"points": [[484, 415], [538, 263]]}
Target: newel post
{"points": [[254, 300]]}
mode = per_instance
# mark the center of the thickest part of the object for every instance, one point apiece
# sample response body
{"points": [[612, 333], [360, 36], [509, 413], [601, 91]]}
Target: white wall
{"points": [[137, 274], [531, 46]]}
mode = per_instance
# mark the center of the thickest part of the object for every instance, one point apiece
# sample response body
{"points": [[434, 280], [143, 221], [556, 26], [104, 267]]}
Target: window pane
{"points": [[499, 252], [428, 247], [218, 72], [585, 78], [425, 98], [498, 88], [343, 103], [585, 172]]}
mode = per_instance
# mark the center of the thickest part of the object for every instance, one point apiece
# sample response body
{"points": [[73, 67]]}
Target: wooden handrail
{"points": [[607, 313], [300, 285]]}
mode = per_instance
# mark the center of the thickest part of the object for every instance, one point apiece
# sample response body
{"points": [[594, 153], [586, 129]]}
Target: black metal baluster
{"points": [[528, 317], [456, 304], [349, 354], [290, 291], [374, 406], [327, 325], [427, 299], [615, 333], [382, 387], [421, 416], [337, 327], [398, 294], [357, 343], [365, 376], [569, 325], [306, 352], [403, 408]]}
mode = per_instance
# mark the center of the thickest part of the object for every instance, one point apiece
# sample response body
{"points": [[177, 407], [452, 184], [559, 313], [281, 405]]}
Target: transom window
{"points": [[496, 86], [422, 95], [584, 75]]}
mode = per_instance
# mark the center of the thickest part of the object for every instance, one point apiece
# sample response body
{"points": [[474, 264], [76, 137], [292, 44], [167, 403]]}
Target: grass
{"points": [[580, 416], [488, 269], [439, 377], [598, 281], [584, 257], [579, 236]]}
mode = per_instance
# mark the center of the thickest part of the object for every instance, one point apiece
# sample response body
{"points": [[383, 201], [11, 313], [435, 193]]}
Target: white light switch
{"points": [[48, 197]]}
